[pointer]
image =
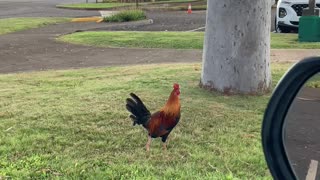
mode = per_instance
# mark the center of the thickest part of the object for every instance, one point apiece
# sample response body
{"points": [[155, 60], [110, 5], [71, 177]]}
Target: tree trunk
{"points": [[236, 51]]}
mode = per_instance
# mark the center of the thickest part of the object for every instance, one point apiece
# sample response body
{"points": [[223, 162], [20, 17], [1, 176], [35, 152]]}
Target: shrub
{"points": [[127, 15]]}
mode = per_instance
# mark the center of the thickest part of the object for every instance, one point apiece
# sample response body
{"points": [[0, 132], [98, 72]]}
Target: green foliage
{"points": [[314, 82], [127, 15], [17, 24], [290, 41], [174, 40], [73, 124]]}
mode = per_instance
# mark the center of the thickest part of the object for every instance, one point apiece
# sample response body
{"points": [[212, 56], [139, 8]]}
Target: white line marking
{"points": [[312, 172], [196, 29], [306, 99]]}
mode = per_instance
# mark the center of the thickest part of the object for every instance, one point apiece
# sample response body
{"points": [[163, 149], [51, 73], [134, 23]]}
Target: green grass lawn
{"points": [[73, 124], [290, 41], [17, 24], [314, 82], [174, 40]]}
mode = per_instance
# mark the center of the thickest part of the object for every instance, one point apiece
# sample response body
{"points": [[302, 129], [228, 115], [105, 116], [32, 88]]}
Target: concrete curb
{"points": [[136, 23]]}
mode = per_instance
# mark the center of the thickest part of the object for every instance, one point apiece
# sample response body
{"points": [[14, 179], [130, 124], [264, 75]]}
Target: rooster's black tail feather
{"points": [[139, 113]]}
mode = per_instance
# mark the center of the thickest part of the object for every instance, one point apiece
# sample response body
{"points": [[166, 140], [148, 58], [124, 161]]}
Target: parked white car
{"points": [[288, 14]]}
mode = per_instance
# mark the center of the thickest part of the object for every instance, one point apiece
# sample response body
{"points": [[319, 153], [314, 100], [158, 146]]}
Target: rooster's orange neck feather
{"points": [[172, 106]]}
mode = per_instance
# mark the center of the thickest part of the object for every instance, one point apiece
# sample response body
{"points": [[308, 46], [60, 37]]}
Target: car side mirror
{"points": [[291, 124]]}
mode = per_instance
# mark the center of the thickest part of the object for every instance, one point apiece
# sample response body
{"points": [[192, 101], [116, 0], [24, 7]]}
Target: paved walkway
{"points": [[283, 55]]}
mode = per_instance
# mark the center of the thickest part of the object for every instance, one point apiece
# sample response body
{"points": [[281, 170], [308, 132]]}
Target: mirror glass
{"points": [[302, 131]]}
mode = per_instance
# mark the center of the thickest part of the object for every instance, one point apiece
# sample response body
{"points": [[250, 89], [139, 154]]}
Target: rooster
{"points": [[160, 123]]}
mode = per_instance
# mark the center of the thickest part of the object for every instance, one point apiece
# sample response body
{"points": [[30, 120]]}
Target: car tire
{"points": [[276, 27], [284, 29], [281, 29]]}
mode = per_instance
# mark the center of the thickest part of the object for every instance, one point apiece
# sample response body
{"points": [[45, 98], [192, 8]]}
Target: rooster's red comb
{"points": [[176, 86]]}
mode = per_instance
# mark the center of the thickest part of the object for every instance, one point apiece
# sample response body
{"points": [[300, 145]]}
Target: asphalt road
{"points": [[303, 131], [40, 8]]}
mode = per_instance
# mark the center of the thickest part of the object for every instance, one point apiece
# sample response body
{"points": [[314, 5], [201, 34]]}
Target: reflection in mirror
{"points": [[302, 131]]}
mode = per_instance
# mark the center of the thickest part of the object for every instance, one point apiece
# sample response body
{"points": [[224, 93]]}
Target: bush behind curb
{"points": [[127, 15]]}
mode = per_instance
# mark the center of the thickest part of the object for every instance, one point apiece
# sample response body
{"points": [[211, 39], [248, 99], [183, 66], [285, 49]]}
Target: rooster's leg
{"points": [[164, 140], [148, 143], [164, 146]]}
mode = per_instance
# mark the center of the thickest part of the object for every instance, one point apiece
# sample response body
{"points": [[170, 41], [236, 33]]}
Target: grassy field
{"points": [[17, 24], [174, 40], [290, 41], [72, 124], [314, 82]]}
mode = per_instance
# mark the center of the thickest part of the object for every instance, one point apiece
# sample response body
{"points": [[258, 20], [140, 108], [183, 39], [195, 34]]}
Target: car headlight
{"points": [[282, 12]]}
